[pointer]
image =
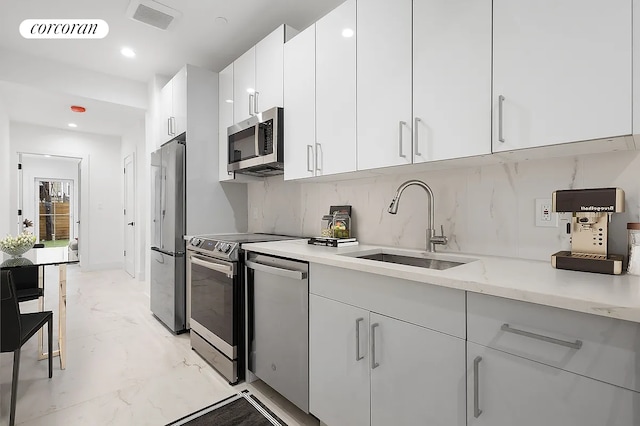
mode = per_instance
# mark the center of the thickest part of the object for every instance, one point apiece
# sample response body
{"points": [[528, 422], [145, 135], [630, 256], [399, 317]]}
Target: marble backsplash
{"points": [[486, 209]]}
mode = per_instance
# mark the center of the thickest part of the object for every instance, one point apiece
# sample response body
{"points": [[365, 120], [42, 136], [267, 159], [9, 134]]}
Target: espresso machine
{"points": [[591, 213]]}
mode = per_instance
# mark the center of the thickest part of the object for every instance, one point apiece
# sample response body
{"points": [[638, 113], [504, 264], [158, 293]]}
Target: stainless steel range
{"points": [[215, 277]]}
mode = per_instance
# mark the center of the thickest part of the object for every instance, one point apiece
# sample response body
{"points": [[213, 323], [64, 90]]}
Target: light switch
{"points": [[545, 217]]}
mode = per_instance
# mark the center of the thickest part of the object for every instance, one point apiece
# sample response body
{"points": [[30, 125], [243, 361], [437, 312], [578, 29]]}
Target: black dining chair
{"points": [[25, 279], [16, 329]]}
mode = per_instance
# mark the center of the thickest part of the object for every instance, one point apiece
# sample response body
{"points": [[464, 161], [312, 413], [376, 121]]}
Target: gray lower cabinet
{"points": [[371, 369], [507, 390]]}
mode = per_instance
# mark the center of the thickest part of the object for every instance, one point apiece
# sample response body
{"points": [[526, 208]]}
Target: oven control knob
{"points": [[225, 248]]}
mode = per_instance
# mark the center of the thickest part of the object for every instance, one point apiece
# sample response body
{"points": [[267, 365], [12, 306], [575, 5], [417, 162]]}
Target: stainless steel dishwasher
{"points": [[278, 325]]}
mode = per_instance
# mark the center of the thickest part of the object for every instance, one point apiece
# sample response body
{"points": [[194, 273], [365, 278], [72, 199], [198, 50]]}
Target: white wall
{"points": [[101, 242], [487, 210], [5, 172], [212, 207], [133, 143], [45, 168]]}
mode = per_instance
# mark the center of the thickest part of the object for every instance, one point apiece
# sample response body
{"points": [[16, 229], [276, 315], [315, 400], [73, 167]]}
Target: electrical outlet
{"points": [[545, 217]]}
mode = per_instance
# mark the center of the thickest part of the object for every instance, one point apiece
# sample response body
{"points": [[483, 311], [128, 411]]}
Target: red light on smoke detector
{"points": [[77, 108]]}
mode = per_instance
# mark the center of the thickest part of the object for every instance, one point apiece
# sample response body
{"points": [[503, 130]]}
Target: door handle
{"points": [[255, 103], [309, 167], [400, 124], [500, 107], [358, 357], [374, 364], [130, 223], [318, 152], [476, 387], [415, 136]]}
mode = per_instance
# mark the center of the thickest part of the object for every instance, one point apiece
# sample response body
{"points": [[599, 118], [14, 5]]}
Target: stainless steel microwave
{"points": [[256, 145]]}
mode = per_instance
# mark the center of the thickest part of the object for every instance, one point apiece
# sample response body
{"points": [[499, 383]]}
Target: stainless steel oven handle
{"points": [[228, 270], [288, 273]]}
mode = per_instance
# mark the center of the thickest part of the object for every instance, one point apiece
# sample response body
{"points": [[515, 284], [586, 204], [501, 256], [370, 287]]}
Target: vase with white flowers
{"points": [[17, 246]]}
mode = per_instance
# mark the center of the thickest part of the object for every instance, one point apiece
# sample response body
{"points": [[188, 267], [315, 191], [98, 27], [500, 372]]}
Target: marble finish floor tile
{"points": [[123, 366]]}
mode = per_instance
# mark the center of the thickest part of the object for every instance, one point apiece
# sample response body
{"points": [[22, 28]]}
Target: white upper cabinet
{"points": [[384, 83], [424, 83], [269, 69], [244, 85], [225, 119], [173, 107], [320, 97], [258, 75], [561, 71], [336, 90], [299, 105], [451, 79]]}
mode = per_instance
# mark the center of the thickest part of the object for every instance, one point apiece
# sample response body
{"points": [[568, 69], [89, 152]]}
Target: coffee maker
{"points": [[591, 213]]}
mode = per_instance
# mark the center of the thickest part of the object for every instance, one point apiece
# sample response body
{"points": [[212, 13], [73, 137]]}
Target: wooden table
{"points": [[42, 257]]}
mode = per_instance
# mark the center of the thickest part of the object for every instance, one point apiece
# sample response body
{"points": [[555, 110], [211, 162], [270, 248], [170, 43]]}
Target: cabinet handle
{"points": [[318, 151], [255, 103], [358, 357], [415, 137], [500, 102], [400, 124], [476, 387], [251, 101], [169, 126], [309, 167], [374, 364], [173, 126], [573, 345]]}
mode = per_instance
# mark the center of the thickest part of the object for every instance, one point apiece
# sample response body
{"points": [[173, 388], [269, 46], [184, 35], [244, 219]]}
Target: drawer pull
{"points": [[573, 345]]}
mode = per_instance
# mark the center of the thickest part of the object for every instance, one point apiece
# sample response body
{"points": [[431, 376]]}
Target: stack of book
{"points": [[333, 242]]}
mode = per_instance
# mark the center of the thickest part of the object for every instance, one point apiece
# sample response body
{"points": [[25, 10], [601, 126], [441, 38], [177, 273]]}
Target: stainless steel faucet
{"points": [[432, 239]]}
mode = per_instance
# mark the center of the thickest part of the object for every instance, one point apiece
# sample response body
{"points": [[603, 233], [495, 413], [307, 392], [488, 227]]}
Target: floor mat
{"points": [[243, 409]]}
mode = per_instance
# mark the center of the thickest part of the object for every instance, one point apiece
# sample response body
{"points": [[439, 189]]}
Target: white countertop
{"points": [[615, 296]]}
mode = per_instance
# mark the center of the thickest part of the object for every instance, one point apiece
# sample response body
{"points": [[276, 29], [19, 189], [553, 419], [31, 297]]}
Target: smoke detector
{"points": [[152, 13]]}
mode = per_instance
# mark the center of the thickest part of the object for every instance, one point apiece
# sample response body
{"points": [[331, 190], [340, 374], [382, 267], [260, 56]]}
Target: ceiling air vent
{"points": [[153, 13]]}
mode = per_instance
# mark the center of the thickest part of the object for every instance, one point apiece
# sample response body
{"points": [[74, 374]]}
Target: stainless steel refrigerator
{"points": [[168, 283]]}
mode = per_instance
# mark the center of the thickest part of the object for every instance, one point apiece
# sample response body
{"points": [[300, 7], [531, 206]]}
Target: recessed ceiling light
{"points": [[347, 32], [229, 101], [128, 52], [72, 125]]}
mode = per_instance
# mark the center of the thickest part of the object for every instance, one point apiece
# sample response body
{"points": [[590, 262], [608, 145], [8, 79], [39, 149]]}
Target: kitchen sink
{"points": [[421, 262]]}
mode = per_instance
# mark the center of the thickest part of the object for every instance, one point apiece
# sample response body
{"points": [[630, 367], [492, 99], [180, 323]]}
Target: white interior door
{"points": [[129, 215]]}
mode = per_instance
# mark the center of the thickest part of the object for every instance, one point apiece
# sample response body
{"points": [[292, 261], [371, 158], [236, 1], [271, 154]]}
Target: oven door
{"points": [[215, 301]]}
